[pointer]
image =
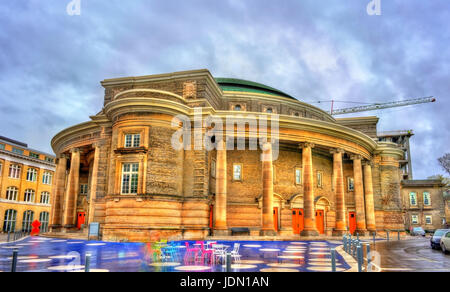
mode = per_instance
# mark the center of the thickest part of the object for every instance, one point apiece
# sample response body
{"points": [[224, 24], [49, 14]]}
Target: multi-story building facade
{"points": [[424, 204], [329, 174], [26, 177]]}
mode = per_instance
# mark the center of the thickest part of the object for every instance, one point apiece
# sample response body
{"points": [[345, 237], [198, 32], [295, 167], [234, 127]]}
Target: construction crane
{"points": [[377, 106]]}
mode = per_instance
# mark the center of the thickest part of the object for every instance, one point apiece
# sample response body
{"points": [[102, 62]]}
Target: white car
{"points": [[445, 242]]}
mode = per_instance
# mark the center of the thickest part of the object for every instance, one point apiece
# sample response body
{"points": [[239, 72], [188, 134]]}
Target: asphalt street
{"points": [[413, 255]]}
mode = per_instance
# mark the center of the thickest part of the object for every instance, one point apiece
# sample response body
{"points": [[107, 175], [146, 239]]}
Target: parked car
{"points": [[418, 231], [435, 240], [445, 242]]}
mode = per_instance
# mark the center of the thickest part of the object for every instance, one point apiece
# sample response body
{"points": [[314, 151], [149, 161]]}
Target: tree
{"points": [[444, 161]]}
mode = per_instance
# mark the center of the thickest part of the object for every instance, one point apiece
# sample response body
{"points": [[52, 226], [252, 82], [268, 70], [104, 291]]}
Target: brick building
{"points": [[329, 175], [25, 185], [424, 204]]}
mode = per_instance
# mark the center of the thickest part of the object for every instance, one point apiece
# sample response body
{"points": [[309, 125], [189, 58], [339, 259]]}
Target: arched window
{"points": [[47, 178], [45, 198], [27, 220], [43, 218], [29, 196], [237, 107], [9, 225], [11, 193], [269, 110], [31, 174]]}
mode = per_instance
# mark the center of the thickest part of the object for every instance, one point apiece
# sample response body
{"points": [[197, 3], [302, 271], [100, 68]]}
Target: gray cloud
{"points": [[51, 63]]}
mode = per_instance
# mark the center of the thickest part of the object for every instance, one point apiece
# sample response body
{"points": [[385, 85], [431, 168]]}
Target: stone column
{"points": [[359, 195], [368, 192], [58, 187], [310, 228], [268, 228], [338, 177], [72, 190], [93, 186], [220, 218]]}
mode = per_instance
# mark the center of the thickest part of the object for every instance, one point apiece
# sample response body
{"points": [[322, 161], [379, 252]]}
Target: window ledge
{"points": [[131, 150]]}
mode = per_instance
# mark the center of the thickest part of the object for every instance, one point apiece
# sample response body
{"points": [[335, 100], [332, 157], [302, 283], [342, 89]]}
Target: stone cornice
{"points": [[166, 77], [232, 95], [27, 161], [173, 108], [83, 128], [389, 149]]}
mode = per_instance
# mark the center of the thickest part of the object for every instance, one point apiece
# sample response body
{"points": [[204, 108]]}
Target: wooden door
{"points": [[211, 216], [80, 219], [275, 218], [352, 222], [297, 220], [320, 220]]}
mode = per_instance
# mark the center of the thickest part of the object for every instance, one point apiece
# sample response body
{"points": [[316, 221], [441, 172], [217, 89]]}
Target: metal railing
{"points": [[17, 235]]}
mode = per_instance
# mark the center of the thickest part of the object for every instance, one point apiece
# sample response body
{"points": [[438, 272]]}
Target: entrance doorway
{"points": [[352, 222], [320, 221], [275, 218], [297, 220], [81, 216]]}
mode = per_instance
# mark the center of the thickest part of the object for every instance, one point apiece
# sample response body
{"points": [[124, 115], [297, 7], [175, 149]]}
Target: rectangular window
{"points": [[17, 151], [428, 219], [298, 176], [31, 174], [132, 140], [2, 146], [47, 178], [237, 171], [319, 179], [415, 219], [426, 199], [14, 171], [213, 168], [83, 189], [34, 155], [413, 199], [45, 198], [351, 184], [130, 174], [49, 159]]}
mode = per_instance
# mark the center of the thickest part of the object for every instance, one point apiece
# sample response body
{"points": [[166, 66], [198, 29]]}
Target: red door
{"points": [[297, 220], [320, 221], [80, 219], [352, 222], [211, 215], [275, 218]]}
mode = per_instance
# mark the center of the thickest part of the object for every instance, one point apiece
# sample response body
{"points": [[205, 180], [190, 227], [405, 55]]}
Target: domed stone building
{"points": [[121, 169]]}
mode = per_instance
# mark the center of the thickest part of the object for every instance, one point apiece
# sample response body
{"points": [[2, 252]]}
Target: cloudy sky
{"points": [[51, 63]]}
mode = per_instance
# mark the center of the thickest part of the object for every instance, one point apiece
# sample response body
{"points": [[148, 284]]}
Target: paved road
{"points": [[414, 255]]}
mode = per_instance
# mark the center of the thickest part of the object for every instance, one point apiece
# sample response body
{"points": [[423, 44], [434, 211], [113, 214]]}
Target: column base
{"points": [[67, 228], [309, 233], [55, 228], [361, 232], [339, 232], [221, 232], [268, 233]]}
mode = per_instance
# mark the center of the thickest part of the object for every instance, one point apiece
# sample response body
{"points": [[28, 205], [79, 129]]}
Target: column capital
{"points": [[75, 150], [306, 145], [337, 150], [367, 162], [355, 157], [62, 155]]}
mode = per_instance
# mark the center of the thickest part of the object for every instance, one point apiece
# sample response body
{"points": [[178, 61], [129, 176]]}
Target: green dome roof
{"points": [[231, 84]]}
